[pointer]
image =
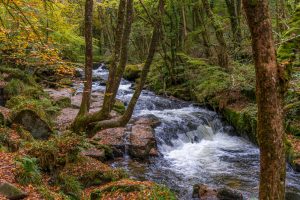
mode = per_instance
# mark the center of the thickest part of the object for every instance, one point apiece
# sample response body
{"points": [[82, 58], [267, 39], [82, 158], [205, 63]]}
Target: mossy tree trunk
{"points": [[85, 103], [269, 100], [124, 119], [223, 56], [234, 10]]}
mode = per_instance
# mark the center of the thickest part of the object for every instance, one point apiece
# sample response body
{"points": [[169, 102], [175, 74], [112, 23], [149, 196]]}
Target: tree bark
{"points": [[124, 119], [85, 103], [222, 51], [270, 128]]}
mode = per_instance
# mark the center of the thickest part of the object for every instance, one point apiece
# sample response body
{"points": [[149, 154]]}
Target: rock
{"points": [[132, 72], [142, 141], [229, 194], [114, 138], [12, 192], [79, 72], [149, 120], [204, 192], [98, 154], [62, 97], [38, 128], [297, 165], [292, 196]]}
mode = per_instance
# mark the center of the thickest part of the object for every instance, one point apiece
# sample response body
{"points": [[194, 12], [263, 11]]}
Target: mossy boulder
{"points": [[132, 72], [133, 190], [12, 192], [32, 122], [90, 172]]}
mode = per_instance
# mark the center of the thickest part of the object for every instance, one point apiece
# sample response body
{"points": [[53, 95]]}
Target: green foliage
{"points": [[56, 152], [27, 171], [160, 192], [70, 186]]}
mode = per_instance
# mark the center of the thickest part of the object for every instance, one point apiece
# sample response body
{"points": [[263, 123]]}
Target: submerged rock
{"points": [[32, 122], [11, 192], [229, 194]]}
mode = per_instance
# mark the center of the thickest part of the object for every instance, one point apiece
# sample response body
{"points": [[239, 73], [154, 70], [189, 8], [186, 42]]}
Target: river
{"points": [[195, 145]]}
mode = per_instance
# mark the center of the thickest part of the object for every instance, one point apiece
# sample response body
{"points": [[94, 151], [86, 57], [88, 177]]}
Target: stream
{"points": [[195, 145]]}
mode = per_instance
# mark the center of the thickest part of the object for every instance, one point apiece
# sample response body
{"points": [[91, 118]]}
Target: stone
{"points": [[297, 165], [204, 192], [229, 194], [142, 141], [4, 115], [38, 128], [114, 138], [292, 196], [62, 96], [11, 192], [149, 120], [79, 72], [98, 154]]}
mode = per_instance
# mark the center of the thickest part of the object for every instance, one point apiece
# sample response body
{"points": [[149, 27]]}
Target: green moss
{"points": [[70, 186], [56, 152], [244, 121], [119, 107], [132, 72], [63, 102]]}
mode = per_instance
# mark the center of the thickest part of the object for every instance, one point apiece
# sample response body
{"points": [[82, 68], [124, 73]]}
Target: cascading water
{"points": [[194, 145]]}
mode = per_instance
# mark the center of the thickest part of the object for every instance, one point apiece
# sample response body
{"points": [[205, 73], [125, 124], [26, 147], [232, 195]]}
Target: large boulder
{"points": [[229, 194], [32, 122], [142, 141], [11, 192], [114, 138]]}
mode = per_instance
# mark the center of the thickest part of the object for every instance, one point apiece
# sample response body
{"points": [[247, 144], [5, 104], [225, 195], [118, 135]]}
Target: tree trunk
{"points": [[124, 119], [85, 103], [222, 51], [270, 128], [107, 103], [234, 10]]}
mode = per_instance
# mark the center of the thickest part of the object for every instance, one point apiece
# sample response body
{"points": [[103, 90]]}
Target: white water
{"points": [[195, 146]]}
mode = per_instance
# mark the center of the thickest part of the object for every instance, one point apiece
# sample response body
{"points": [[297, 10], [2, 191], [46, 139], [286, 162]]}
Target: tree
{"points": [[222, 50], [270, 128], [85, 103]]}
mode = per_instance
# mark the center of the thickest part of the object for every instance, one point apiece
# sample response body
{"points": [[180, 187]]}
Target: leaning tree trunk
{"points": [[85, 103], [270, 128], [124, 119]]}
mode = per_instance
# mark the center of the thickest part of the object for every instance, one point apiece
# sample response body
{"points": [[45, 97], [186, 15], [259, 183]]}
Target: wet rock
{"points": [[142, 141], [297, 165], [11, 192], [292, 196], [31, 121], [132, 72], [114, 138], [149, 120], [79, 72], [229, 194], [204, 192]]}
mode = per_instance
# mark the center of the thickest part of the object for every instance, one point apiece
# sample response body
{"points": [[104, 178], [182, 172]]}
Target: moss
{"points": [[244, 121], [132, 72], [63, 102], [119, 107], [70, 186], [43, 107], [56, 152]]}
